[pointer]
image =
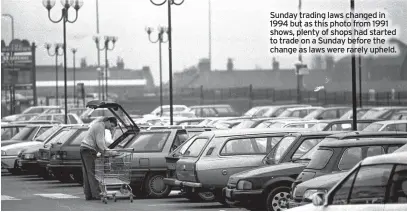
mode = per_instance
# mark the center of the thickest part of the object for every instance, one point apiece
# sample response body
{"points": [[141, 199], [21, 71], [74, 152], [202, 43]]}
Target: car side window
{"points": [[370, 184], [374, 150], [341, 194], [396, 127], [208, 112], [391, 149], [350, 158], [305, 146], [398, 185], [42, 130], [245, 146], [330, 114]]}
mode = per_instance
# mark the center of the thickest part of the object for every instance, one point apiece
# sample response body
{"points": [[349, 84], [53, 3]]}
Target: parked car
{"points": [[327, 113], [65, 160], [191, 121], [36, 110], [402, 149], [9, 130], [271, 185], [391, 125], [337, 157], [359, 113], [298, 112], [384, 113], [26, 117], [177, 109], [28, 133], [251, 188], [377, 183], [60, 117], [400, 115], [213, 111], [250, 123], [276, 110], [342, 124], [213, 156]]}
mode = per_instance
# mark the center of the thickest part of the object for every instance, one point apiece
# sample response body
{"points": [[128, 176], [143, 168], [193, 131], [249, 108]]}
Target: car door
{"points": [[236, 155]]}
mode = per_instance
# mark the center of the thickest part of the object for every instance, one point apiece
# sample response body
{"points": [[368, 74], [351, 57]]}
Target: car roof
{"points": [[312, 133], [385, 108], [392, 122], [303, 108], [200, 106], [365, 133], [249, 131], [364, 142], [350, 120], [13, 125], [84, 126], [393, 158]]}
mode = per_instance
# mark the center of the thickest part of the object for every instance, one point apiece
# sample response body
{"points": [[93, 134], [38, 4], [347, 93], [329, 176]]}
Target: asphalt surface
{"points": [[32, 193]]}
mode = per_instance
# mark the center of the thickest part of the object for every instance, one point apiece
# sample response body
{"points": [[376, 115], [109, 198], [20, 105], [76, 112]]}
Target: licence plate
{"points": [[228, 193]]}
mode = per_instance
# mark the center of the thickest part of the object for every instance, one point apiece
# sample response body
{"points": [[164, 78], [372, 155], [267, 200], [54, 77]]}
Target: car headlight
{"points": [[310, 193], [3, 153], [29, 156], [244, 185]]}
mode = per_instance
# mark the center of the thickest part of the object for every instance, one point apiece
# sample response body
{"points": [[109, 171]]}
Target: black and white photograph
{"points": [[203, 105]]}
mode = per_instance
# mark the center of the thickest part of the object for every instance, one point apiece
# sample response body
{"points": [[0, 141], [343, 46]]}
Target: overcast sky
{"points": [[240, 29]]}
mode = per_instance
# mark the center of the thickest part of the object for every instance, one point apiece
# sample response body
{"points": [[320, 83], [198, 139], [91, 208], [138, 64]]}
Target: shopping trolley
{"points": [[113, 172]]}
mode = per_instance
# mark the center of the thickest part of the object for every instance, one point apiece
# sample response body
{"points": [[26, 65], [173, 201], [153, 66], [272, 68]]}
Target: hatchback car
{"points": [[384, 113], [213, 156], [328, 113], [377, 183], [10, 130], [213, 111], [391, 125], [333, 157], [298, 112], [342, 124]]}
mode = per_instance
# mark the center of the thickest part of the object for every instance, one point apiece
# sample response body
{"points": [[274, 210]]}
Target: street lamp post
{"points": [[299, 66], [160, 40], [55, 53], [77, 4], [170, 2], [74, 50], [107, 40]]}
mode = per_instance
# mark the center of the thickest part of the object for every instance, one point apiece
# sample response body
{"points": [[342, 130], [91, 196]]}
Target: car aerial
{"points": [[72, 118], [9, 130], [384, 113], [400, 115], [276, 110], [359, 111], [27, 159], [390, 125], [28, 133], [251, 188], [328, 113], [275, 194], [65, 160], [213, 111], [338, 157], [213, 156], [298, 112], [376, 184], [36, 110], [342, 124]]}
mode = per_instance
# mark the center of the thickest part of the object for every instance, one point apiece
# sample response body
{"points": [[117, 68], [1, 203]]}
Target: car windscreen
{"points": [[47, 133], [310, 153], [184, 146], [313, 114], [148, 142], [67, 136], [58, 135], [374, 127], [251, 112], [195, 148], [24, 134], [373, 113], [282, 147], [78, 137], [320, 158]]}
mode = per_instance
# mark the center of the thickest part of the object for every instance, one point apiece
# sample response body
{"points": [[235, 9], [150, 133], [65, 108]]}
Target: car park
{"points": [[65, 161], [338, 157], [281, 179], [390, 125], [213, 156], [384, 113], [28, 133], [213, 111], [257, 188], [328, 113], [298, 112], [377, 183]]}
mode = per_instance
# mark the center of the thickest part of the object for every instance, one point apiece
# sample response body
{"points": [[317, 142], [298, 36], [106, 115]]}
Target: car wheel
{"points": [[155, 186], [200, 196], [278, 198]]}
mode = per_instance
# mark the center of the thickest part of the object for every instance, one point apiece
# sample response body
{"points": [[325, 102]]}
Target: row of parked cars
{"points": [[264, 168]]}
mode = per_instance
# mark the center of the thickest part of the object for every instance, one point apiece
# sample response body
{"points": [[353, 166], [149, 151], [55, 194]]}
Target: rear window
{"points": [[396, 127], [282, 147], [57, 136], [24, 134], [77, 140], [350, 158], [248, 146], [319, 126], [320, 158], [149, 142], [373, 127], [310, 154], [47, 133], [195, 148], [373, 113]]}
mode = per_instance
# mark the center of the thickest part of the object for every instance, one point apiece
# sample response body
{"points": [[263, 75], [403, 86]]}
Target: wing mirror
{"points": [[318, 199]]}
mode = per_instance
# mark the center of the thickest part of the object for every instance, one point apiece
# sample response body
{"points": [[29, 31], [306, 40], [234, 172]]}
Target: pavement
{"points": [[32, 193]]}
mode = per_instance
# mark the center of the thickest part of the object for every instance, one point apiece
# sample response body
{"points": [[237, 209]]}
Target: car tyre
{"points": [[277, 199], [155, 187], [200, 196]]}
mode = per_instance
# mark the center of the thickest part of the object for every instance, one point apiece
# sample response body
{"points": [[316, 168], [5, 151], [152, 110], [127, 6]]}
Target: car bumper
{"points": [[242, 196], [28, 164], [8, 162], [43, 163], [294, 204], [175, 182]]}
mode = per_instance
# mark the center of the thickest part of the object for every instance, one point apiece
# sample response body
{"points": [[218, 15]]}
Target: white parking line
{"points": [[58, 196], [5, 197]]}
